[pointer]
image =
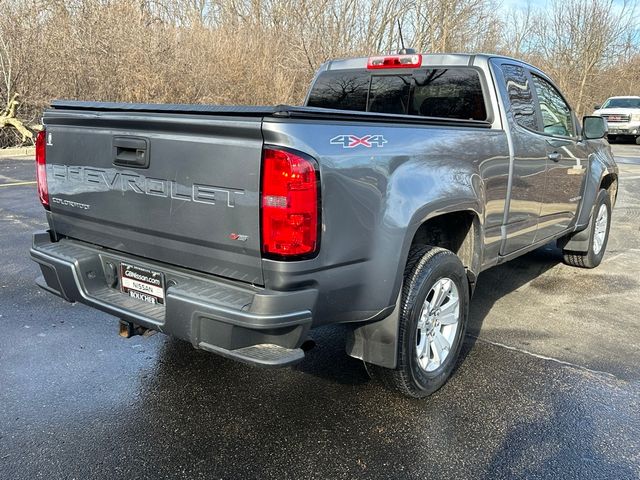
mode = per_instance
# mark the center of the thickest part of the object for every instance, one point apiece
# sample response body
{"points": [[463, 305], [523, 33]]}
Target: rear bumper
{"points": [[242, 322]]}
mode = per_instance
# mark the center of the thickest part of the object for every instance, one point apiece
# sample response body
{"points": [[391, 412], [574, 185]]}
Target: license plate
{"points": [[142, 283]]}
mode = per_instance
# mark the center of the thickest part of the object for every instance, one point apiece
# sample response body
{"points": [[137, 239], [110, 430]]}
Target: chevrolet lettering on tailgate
{"points": [[97, 179]]}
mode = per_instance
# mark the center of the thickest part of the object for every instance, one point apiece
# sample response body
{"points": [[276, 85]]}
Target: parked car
{"points": [[623, 116], [376, 204]]}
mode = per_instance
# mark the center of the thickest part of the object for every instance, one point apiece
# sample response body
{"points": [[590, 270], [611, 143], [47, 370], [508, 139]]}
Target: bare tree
{"points": [[6, 64], [266, 51], [582, 37], [517, 30], [8, 119], [453, 25]]}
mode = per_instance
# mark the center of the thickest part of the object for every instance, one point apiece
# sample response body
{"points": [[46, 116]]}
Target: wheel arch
{"points": [[609, 183], [602, 173], [579, 240], [456, 230]]}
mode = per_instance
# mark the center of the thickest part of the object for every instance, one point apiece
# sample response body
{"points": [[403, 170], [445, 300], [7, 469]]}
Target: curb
{"points": [[19, 151]]}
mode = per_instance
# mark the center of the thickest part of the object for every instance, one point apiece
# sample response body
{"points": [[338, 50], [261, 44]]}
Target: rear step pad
{"points": [[264, 355]]}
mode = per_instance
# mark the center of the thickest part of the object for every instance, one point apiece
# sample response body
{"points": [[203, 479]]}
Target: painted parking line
{"points": [[16, 184]]}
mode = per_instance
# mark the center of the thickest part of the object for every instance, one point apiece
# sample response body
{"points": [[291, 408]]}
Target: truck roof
{"points": [[428, 59], [624, 96]]}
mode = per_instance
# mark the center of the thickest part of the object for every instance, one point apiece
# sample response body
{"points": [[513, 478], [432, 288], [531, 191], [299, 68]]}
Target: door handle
{"points": [[555, 156], [131, 152]]}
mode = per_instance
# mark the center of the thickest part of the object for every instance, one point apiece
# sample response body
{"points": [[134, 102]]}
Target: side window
{"points": [[556, 114], [523, 106]]}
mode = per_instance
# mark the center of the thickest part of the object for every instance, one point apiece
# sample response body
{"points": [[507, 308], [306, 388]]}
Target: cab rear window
{"points": [[437, 92]]}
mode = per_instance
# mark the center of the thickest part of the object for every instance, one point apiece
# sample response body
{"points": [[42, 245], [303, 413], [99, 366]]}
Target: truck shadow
{"points": [[500, 281], [329, 361]]}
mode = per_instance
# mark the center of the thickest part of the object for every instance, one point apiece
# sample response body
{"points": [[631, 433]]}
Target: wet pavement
{"points": [[548, 386]]}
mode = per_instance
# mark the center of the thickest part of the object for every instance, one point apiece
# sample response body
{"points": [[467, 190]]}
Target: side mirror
{"points": [[594, 128], [597, 107]]}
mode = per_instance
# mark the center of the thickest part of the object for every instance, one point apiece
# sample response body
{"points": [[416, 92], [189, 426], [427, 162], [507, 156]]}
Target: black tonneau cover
{"points": [[278, 111]]}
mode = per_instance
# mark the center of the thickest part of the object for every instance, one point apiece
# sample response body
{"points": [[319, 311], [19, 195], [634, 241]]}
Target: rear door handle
{"points": [[555, 156], [131, 151]]}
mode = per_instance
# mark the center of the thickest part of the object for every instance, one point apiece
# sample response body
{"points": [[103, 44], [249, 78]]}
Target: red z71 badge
{"points": [[353, 141]]}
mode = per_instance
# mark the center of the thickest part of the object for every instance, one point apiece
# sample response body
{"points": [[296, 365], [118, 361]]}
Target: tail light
{"points": [[290, 204], [395, 61], [41, 168]]}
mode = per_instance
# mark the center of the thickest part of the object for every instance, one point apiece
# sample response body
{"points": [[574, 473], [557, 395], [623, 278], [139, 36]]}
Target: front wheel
{"points": [[433, 318], [598, 235]]}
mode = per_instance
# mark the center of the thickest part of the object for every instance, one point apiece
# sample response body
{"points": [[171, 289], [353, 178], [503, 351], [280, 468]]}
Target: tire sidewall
{"points": [[602, 199], [440, 266]]}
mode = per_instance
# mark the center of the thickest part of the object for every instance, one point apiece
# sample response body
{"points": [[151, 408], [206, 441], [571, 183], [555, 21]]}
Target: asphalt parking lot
{"points": [[549, 386]]}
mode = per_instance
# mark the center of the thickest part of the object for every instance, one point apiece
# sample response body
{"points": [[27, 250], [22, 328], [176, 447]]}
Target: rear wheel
{"points": [[598, 235], [434, 310]]}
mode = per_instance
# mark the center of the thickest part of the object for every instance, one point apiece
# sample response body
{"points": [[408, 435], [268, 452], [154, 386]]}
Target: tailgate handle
{"points": [[131, 152]]}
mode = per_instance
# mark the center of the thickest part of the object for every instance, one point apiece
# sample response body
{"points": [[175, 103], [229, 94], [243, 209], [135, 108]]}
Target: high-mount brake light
{"points": [[395, 61], [290, 204], [41, 168]]}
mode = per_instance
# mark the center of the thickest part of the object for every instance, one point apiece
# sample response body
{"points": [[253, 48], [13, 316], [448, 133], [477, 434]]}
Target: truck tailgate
{"points": [[177, 188]]}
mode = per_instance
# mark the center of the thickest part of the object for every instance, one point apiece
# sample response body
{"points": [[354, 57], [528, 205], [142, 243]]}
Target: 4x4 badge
{"points": [[352, 141]]}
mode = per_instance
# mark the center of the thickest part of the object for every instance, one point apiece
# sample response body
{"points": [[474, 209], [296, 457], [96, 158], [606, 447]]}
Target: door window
{"points": [[556, 114], [523, 106]]}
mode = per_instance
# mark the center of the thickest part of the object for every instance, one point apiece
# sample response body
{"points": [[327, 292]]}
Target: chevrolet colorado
{"points": [[376, 205]]}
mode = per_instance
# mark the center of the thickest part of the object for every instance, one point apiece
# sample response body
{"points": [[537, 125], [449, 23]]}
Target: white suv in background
{"points": [[622, 115]]}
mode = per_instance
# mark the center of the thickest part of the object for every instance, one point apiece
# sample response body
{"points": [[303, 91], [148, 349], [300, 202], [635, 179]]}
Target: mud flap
{"points": [[577, 241], [377, 342]]}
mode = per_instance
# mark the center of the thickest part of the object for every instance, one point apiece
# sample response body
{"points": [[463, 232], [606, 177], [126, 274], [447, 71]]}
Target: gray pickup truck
{"points": [[376, 204]]}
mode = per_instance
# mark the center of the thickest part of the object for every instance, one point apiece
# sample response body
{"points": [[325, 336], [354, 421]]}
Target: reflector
{"points": [[41, 168]]}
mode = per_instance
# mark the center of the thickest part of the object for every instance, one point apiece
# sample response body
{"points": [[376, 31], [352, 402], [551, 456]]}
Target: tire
{"points": [[428, 269], [598, 235], [612, 138]]}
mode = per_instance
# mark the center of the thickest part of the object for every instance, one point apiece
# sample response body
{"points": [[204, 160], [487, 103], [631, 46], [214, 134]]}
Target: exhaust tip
{"points": [[308, 344]]}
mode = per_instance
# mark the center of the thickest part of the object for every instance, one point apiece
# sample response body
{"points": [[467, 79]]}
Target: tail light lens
{"points": [[290, 204], [41, 168]]}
